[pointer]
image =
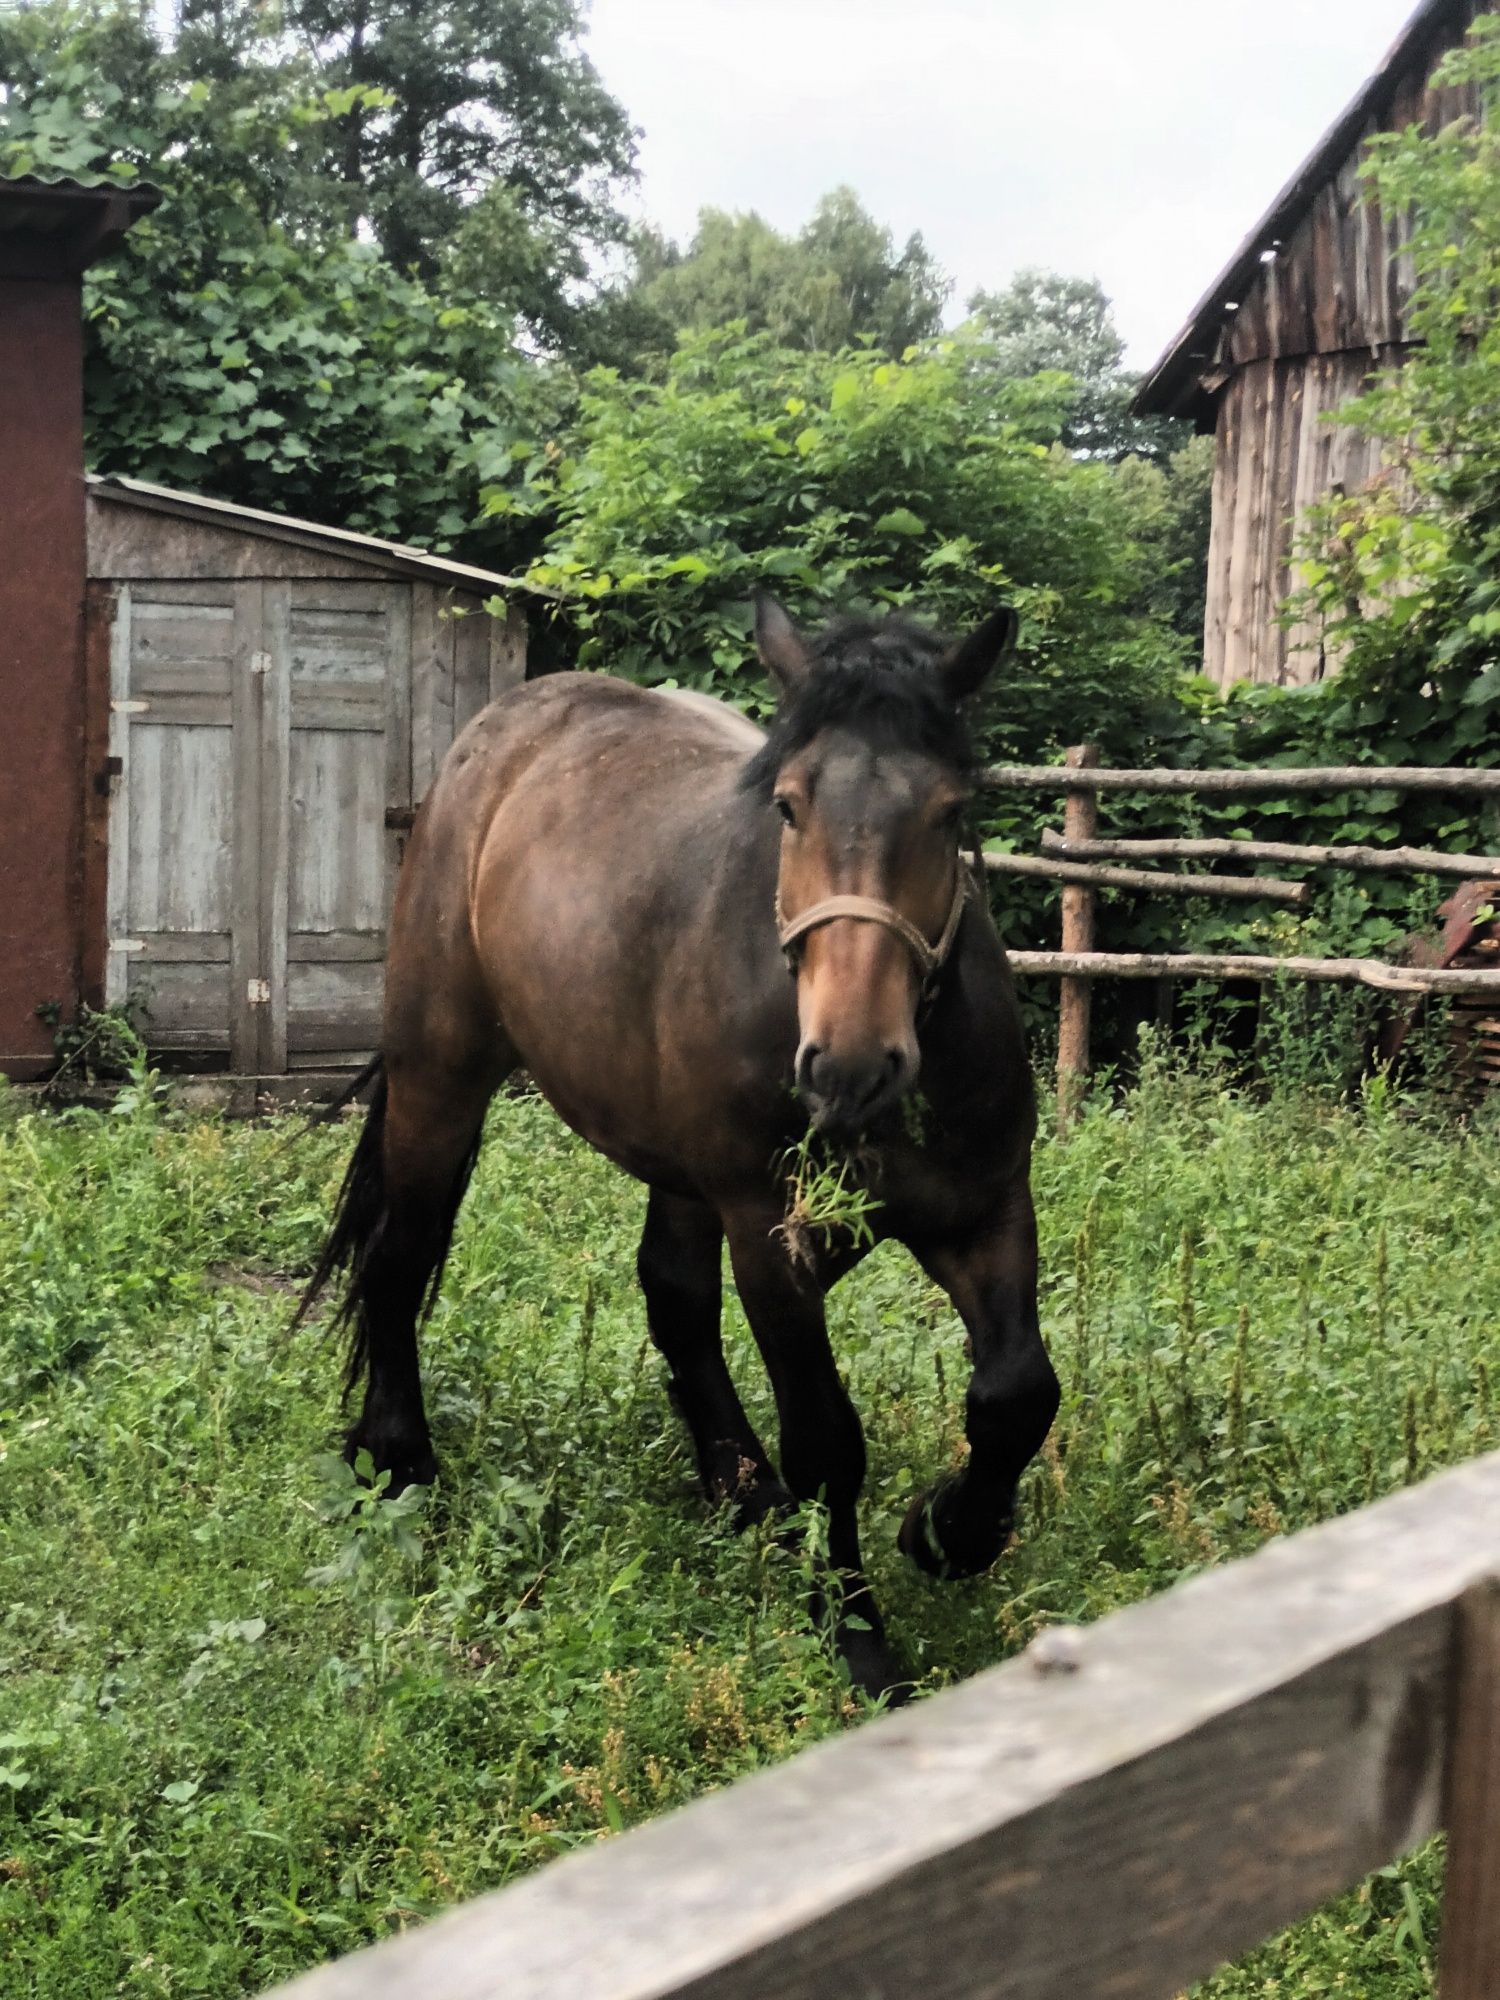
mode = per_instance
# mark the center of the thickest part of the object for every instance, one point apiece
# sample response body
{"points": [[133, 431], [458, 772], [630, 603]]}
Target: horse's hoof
{"points": [[873, 1668], [943, 1542], [408, 1463]]}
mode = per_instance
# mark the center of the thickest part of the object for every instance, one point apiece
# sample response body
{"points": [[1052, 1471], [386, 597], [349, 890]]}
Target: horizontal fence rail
{"points": [[1074, 857], [1413, 979], [1246, 888], [1116, 1812], [1326, 778], [1383, 860]]}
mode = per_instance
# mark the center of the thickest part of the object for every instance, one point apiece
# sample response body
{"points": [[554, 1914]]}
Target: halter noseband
{"points": [[930, 958]]}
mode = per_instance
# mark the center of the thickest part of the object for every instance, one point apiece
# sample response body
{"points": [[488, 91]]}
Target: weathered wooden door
{"points": [[336, 760], [262, 731]]}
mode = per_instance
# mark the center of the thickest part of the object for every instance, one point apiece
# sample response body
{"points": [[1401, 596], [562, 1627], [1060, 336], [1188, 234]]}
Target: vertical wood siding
{"points": [[1327, 310], [1278, 451]]}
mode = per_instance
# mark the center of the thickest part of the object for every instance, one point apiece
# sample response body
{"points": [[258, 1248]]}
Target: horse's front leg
{"points": [[822, 1444], [678, 1267], [960, 1525]]}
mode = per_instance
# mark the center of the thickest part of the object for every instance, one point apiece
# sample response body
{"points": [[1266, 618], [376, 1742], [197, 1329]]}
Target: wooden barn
{"points": [[1311, 303], [268, 702]]}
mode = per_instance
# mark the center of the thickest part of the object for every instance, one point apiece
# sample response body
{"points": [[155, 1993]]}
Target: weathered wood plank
{"points": [[273, 832], [335, 947], [1471, 1897], [117, 863], [508, 639], [472, 641], [1210, 965], [1113, 1815], [1297, 778]]}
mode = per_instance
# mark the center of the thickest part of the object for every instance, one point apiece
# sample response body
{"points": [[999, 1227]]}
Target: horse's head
{"points": [[870, 767]]}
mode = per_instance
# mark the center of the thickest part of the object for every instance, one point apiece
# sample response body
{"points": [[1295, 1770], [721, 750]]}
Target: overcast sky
{"points": [[1132, 140]]}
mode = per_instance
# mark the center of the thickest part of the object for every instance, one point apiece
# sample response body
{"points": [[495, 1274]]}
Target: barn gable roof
{"points": [[1173, 385], [384, 558]]}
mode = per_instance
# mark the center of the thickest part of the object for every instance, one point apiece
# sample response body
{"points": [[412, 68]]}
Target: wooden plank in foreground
{"points": [[1471, 1898], [1306, 778], [1112, 1814]]}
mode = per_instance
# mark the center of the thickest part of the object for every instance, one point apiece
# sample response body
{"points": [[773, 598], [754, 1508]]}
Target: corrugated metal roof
{"points": [[390, 556], [52, 224], [1170, 385]]}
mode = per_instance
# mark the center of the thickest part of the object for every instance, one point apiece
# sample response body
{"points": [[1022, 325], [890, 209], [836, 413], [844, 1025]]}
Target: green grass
{"points": [[249, 1720]]}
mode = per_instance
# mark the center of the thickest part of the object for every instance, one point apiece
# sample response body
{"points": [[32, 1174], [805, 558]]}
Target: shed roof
{"points": [[1170, 386], [56, 225], [389, 558]]}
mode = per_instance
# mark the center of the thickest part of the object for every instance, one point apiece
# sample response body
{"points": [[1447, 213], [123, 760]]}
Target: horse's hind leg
{"points": [[420, 1145], [678, 1266]]}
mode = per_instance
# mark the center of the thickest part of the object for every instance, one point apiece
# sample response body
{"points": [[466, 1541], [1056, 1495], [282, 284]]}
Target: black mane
{"points": [[878, 679]]}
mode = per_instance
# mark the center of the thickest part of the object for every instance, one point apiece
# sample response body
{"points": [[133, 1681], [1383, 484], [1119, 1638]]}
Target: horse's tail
{"points": [[361, 1227]]}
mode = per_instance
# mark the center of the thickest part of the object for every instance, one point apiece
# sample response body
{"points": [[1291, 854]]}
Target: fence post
{"points": [[1470, 1957], [1080, 817]]}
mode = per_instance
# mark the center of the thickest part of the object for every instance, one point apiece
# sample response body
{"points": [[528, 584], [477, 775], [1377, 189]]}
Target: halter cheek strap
{"points": [[930, 958]]}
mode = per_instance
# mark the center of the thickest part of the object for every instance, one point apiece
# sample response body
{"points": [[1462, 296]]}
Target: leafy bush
{"points": [[853, 480]]}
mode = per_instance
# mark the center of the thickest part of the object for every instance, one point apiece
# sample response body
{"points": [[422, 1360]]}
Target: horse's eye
{"points": [[784, 807], [950, 816]]}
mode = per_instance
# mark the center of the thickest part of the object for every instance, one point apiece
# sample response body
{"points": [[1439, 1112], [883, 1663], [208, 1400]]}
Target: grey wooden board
{"points": [[1214, 1764], [172, 846], [344, 739]]}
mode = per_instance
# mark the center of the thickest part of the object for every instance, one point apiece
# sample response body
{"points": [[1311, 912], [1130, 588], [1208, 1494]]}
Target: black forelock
{"points": [[877, 679]]}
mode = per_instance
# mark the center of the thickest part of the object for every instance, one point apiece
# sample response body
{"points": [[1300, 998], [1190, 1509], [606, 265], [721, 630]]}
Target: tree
{"points": [[478, 134], [1045, 323], [840, 279], [242, 343]]}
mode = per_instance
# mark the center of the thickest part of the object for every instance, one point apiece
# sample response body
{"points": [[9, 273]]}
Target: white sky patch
{"points": [[1132, 140]]}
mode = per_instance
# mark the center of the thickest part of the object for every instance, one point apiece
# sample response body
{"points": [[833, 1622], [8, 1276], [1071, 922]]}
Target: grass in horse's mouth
{"points": [[826, 1194]]}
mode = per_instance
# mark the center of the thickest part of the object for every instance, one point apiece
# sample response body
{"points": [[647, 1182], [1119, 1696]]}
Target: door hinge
{"points": [[131, 707], [258, 992], [260, 663], [127, 944]]}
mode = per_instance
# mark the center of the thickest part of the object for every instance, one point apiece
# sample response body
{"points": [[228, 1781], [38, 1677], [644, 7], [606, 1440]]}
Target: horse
{"points": [[607, 887]]}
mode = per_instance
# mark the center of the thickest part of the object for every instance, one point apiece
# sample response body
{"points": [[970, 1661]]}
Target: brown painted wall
{"points": [[42, 569]]}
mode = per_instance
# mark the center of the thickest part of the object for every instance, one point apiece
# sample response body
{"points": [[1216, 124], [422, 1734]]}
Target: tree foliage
{"points": [[840, 279], [852, 479], [1044, 322], [475, 129], [242, 343]]}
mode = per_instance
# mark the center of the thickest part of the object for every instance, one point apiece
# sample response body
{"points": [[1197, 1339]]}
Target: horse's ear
{"points": [[972, 660], [782, 648]]}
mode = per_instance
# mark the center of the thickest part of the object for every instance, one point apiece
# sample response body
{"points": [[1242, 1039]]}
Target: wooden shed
{"points": [[269, 700], [1311, 303]]}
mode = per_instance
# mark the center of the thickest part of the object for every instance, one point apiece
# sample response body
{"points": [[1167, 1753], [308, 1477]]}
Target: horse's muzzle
{"points": [[844, 1097]]}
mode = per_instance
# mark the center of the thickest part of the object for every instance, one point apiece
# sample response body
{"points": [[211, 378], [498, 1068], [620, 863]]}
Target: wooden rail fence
{"points": [[1114, 1813], [1072, 857]]}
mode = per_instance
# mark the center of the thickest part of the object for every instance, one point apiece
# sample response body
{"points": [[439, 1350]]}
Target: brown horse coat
{"points": [[592, 892]]}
